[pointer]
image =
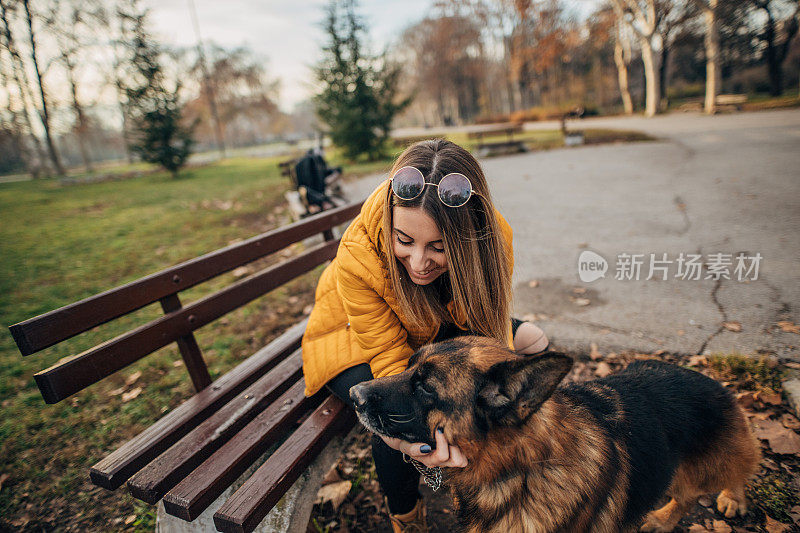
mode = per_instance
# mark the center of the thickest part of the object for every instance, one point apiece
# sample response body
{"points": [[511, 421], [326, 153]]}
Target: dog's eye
{"points": [[421, 388]]}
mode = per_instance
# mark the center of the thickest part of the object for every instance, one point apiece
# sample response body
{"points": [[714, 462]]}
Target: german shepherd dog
{"points": [[596, 456]]}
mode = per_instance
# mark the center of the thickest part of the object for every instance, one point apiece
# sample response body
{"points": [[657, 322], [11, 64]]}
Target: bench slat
{"points": [[50, 328], [189, 498], [129, 458], [154, 480], [255, 498], [74, 374]]}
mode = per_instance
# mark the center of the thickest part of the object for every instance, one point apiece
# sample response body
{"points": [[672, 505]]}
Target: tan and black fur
{"points": [[596, 456]]}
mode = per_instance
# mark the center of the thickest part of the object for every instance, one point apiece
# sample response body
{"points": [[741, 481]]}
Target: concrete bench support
{"points": [[290, 514]]}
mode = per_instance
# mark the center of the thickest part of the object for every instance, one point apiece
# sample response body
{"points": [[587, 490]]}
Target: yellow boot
{"points": [[413, 521]]}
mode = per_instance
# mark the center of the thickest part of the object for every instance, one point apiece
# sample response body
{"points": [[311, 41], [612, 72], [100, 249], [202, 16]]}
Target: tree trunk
{"points": [[622, 71], [81, 123], [773, 64], [713, 71], [653, 96], [45, 115], [663, 72], [21, 79]]}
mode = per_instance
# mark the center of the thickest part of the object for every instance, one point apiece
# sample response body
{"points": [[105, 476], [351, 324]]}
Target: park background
{"points": [[135, 135]]}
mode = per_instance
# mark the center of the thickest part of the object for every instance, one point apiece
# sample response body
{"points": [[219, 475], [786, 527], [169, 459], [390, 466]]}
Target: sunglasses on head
{"points": [[455, 189]]}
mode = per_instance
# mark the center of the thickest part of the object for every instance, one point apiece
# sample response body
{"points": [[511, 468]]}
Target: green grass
{"points": [[751, 372]]}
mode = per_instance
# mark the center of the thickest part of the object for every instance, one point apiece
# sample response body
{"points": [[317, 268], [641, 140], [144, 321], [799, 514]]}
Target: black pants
{"points": [[399, 480]]}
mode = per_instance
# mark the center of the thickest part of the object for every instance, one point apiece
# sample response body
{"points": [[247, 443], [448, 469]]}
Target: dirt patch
{"points": [[555, 296]]}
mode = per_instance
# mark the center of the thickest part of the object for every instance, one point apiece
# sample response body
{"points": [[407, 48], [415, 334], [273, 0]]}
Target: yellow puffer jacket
{"points": [[356, 318]]}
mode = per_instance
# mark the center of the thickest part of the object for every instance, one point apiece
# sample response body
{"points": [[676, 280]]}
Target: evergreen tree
{"points": [[158, 135], [359, 97]]}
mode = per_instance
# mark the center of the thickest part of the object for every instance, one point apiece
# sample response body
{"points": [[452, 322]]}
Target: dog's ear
{"points": [[514, 389]]}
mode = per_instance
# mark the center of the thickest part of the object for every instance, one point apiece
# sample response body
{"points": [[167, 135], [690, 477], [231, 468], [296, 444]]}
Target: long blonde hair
{"points": [[479, 275]]}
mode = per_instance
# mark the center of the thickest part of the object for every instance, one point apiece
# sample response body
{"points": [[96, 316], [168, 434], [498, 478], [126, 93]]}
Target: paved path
{"points": [[724, 184]]}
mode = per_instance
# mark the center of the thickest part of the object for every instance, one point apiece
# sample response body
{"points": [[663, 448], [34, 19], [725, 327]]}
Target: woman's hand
{"points": [[444, 455]]}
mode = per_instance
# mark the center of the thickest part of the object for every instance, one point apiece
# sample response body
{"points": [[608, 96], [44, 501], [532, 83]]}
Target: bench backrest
{"points": [[507, 130], [178, 323]]}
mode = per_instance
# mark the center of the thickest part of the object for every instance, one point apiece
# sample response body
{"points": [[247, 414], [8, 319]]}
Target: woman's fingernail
{"points": [[425, 449]]}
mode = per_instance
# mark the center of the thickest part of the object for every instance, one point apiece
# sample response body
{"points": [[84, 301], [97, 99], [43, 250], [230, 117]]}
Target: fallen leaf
{"points": [[332, 476], [705, 501], [736, 327], [789, 327], [334, 493], [579, 290], [595, 353], [794, 512], [130, 380], [697, 528], [721, 527], [241, 271], [768, 396], [116, 392], [581, 302], [307, 309], [773, 526], [3, 479], [698, 360], [131, 394], [781, 439], [533, 283], [681, 332], [177, 363], [130, 520], [603, 369], [790, 421]]}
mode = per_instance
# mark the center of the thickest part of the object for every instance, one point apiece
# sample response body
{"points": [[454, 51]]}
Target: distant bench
{"points": [[509, 145], [725, 102], [191, 456]]}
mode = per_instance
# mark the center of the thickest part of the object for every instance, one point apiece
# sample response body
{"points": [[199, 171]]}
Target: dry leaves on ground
{"points": [[736, 327], [131, 394], [773, 526], [334, 493], [788, 327], [781, 439]]}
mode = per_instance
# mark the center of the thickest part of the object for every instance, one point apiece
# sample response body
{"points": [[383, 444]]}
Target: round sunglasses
{"points": [[454, 189]]}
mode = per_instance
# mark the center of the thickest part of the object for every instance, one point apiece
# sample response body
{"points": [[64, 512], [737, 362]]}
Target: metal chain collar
{"points": [[432, 476]]}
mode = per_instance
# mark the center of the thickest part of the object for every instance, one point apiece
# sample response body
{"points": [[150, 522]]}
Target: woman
{"points": [[428, 258]]}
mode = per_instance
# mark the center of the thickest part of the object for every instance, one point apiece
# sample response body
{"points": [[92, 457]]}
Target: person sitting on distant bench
{"points": [[313, 173]]}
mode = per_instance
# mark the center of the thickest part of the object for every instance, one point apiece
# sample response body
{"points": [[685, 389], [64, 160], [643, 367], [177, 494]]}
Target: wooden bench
{"points": [[194, 453], [731, 101], [509, 145], [724, 102]]}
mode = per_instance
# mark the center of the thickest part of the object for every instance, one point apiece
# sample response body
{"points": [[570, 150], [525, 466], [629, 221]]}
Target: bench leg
{"points": [[290, 514]]}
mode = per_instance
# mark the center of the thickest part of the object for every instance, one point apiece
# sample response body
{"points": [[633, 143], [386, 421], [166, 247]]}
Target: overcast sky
{"points": [[286, 33]]}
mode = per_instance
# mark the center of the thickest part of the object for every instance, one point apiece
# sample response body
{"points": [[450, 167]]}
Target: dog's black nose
{"points": [[358, 395]]}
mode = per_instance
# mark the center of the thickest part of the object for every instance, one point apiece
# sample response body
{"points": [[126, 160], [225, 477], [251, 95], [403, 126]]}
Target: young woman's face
{"points": [[418, 244]]}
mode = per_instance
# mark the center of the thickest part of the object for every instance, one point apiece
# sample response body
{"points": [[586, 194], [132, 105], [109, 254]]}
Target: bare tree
{"points": [[642, 17], [777, 36], [45, 113], [622, 58], [69, 21], [711, 41], [18, 73]]}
